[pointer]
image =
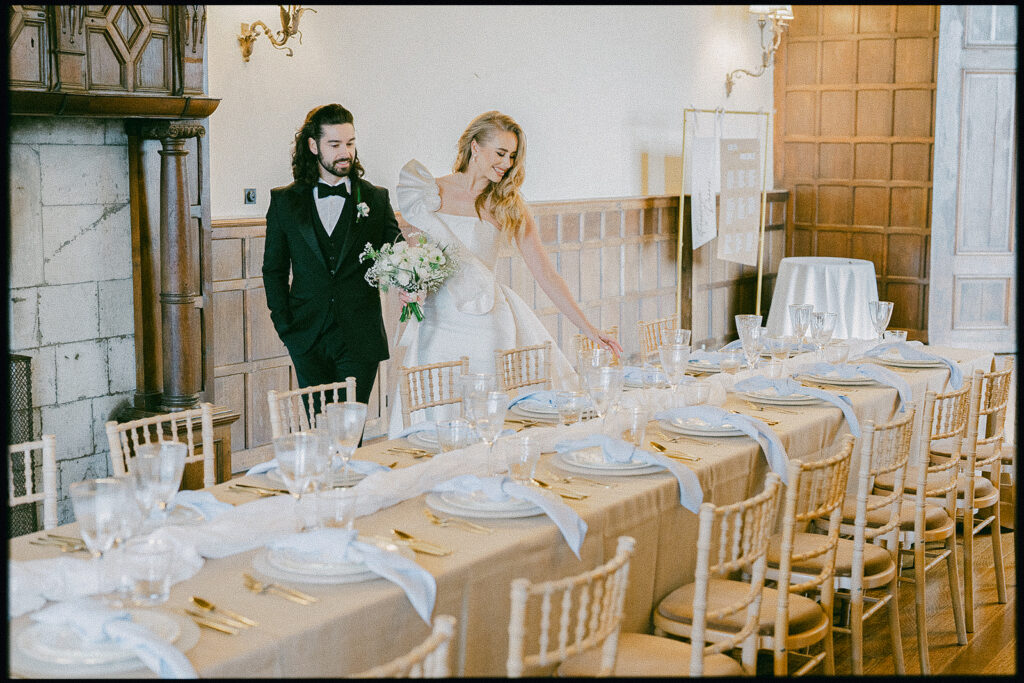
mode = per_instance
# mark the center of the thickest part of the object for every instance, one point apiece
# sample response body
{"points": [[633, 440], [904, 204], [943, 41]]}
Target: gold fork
{"points": [[564, 493], [257, 586], [447, 521]]}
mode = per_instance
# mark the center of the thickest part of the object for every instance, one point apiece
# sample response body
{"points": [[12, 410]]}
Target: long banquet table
{"points": [[357, 625]]}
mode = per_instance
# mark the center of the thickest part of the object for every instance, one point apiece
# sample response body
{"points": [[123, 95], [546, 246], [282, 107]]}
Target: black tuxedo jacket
{"points": [[300, 310]]}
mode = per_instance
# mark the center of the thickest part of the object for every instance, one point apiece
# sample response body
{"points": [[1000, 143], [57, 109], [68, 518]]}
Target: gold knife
{"points": [[420, 546], [210, 624]]}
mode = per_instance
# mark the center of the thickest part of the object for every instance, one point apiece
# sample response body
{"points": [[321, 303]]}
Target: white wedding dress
{"points": [[472, 314]]}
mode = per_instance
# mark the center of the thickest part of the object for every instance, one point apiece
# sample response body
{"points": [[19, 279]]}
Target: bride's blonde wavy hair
{"points": [[502, 198]]}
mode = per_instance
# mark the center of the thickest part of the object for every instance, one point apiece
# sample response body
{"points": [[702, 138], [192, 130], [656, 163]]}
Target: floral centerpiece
{"points": [[415, 268]]}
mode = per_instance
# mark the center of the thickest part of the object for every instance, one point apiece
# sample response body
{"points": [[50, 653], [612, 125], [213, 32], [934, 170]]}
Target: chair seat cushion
{"points": [[642, 655], [983, 488], [804, 613], [876, 558], [944, 447], [934, 516]]}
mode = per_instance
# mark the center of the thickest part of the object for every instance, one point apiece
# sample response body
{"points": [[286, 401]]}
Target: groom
{"points": [[329, 317]]}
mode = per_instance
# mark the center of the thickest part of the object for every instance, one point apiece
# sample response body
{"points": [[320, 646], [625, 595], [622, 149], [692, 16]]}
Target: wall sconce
{"points": [[289, 27], [778, 15]]}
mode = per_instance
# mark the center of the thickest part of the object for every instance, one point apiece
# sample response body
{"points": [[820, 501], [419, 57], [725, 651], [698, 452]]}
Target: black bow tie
{"points": [[325, 190]]}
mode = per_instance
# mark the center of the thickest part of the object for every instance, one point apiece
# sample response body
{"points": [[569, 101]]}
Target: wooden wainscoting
{"points": [[618, 257], [854, 133]]}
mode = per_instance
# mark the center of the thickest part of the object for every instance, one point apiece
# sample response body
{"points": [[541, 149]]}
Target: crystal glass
{"points": [[473, 384], [837, 353], [822, 326], [149, 562], [98, 506], [488, 411], [522, 452], [748, 328], [674, 359], [454, 434], [302, 464], [697, 392], [570, 406], [731, 361], [800, 317], [604, 385], [879, 312], [894, 335], [336, 508], [628, 423], [156, 471], [345, 422], [675, 336], [133, 518], [778, 348]]}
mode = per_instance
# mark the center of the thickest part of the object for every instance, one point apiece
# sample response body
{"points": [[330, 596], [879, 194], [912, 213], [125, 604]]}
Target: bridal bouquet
{"points": [[415, 268]]}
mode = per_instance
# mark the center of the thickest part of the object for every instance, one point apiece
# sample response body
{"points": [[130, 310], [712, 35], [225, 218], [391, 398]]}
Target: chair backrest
{"points": [[429, 659], [124, 437], [816, 489], [582, 342], [884, 451], [945, 417], [733, 538], [650, 332], [299, 409], [27, 481], [426, 386], [986, 420], [526, 366], [595, 598]]}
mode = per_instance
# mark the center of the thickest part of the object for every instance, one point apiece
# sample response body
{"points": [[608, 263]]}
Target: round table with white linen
{"points": [[841, 285]]}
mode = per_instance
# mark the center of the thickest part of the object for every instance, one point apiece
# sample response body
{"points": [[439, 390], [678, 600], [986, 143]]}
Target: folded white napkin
{"points": [[616, 450], [571, 525], [789, 387], [869, 370], [342, 545], [751, 426], [202, 502], [914, 350], [94, 622]]}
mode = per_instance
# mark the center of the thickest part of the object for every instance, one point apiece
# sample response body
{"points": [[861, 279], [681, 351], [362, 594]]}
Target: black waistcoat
{"points": [[332, 245]]}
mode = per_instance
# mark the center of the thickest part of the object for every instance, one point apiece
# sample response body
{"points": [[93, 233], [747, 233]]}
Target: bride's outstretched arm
{"points": [[554, 286]]}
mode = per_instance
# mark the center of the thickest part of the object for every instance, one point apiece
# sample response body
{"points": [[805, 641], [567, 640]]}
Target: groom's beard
{"points": [[335, 168]]}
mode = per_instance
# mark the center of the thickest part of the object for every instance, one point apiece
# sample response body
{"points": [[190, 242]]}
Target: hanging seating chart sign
{"points": [[703, 221], [739, 201]]}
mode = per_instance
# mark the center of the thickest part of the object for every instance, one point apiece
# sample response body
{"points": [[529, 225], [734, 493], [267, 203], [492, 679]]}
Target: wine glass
{"points": [[604, 384], [473, 384], [748, 327], [345, 422], [823, 324], [676, 336], [800, 317], [98, 505], [156, 471], [880, 312], [302, 464], [488, 416], [674, 358]]}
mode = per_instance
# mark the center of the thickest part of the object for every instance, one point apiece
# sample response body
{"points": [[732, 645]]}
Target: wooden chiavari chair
{"points": [[582, 342], [650, 333], [526, 366], [43, 489], [429, 659], [299, 410], [124, 437], [428, 386]]}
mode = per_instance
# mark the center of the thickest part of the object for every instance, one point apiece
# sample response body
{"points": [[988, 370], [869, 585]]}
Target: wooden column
{"points": [[180, 298]]}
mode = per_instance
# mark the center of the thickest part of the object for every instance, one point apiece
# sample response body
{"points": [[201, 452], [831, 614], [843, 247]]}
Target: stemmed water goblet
{"points": [[676, 335], [778, 347], [156, 472], [345, 422], [749, 329], [604, 384], [473, 384], [488, 418], [302, 464], [131, 520], [800, 317], [674, 359], [880, 312], [99, 505], [823, 324]]}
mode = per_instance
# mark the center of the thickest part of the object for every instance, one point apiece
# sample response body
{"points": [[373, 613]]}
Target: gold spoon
{"points": [[571, 495], [208, 606], [678, 456]]}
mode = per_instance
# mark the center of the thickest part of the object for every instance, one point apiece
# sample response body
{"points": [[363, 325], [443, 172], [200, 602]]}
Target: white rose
{"points": [[404, 278]]}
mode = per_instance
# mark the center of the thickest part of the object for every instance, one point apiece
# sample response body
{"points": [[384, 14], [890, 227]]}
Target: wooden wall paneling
{"points": [[28, 48], [854, 96]]}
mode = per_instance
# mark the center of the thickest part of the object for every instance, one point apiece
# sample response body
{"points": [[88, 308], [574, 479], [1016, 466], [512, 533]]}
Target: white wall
{"points": [[593, 87]]}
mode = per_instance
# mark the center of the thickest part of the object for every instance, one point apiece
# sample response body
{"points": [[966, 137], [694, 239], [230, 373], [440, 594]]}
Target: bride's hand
{"points": [[407, 298], [609, 343]]}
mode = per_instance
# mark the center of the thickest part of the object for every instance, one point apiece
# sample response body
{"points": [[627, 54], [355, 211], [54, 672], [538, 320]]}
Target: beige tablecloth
{"points": [[358, 625]]}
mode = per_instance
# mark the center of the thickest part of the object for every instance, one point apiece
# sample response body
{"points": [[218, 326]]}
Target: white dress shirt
{"points": [[330, 208]]}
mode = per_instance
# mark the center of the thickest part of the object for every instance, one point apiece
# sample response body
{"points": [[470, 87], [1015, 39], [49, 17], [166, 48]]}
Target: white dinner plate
{"points": [[704, 366], [539, 407], [297, 564], [521, 411], [262, 563], [484, 504], [593, 459], [770, 397], [561, 462], [426, 440], [901, 362], [834, 378], [434, 500], [337, 477], [48, 650], [694, 426]]}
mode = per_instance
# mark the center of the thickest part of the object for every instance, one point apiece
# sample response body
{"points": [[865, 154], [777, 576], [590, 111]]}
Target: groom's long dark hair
{"points": [[304, 164]]}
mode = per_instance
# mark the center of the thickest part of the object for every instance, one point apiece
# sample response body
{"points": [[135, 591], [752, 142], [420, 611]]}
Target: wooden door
{"points": [[972, 296], [854, 98]]}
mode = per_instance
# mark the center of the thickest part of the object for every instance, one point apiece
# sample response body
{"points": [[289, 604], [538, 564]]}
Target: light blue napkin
{"points": [[635, 375], [360, 466], [202, 502], [914, 350], [751, 426], [789, 387], [571, 525], [543, 398], [95, 622], [342, 545], [869, 370], [735, 344], [616, 450]]}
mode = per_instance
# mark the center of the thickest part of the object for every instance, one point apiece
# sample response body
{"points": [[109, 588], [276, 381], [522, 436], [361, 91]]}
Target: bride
{"points": [[476, 209]]}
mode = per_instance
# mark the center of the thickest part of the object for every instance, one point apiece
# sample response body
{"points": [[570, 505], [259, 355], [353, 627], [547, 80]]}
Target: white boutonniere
{"points": [[362, 210]]}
